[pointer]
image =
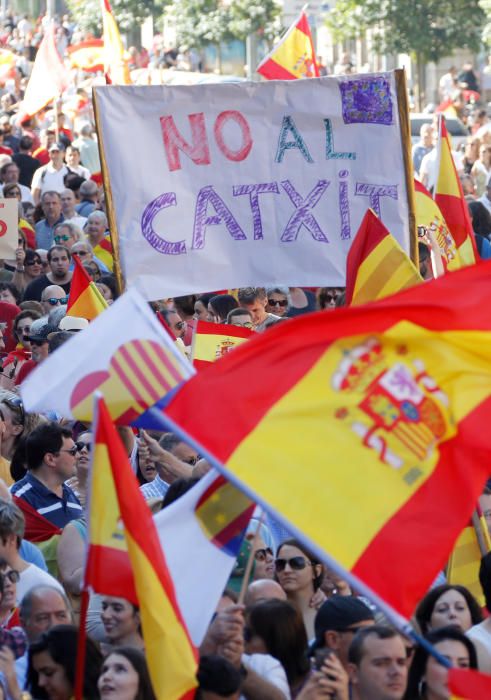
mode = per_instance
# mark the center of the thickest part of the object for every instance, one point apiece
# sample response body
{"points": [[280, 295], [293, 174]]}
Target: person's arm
{"points": [[19, 277], [166, 461], [7, 668], [71, 557]]}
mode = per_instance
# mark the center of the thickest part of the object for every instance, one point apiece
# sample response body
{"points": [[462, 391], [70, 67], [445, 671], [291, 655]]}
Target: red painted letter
{"points": [[174, 142], [221, 120]]}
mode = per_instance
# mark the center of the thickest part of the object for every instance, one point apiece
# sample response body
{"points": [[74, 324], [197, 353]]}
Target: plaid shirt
{"points": [[154, 489]]}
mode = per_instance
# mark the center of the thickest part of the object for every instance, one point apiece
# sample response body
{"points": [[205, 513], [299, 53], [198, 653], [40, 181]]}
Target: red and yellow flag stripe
{"points": [[294, 56], [85, 299]]}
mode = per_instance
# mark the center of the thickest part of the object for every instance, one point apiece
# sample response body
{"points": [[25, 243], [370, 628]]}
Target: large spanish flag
{"points": [[85, 299], [450, 199], [214, 340], [467, 684], [429, 216], [365, 429], [171, 657], [115, 66], [376, 265], [294, 56]]}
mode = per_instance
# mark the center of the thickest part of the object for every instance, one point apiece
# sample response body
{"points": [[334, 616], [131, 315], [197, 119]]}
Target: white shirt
{"points": [[481, 638], [80, 170], [77, 221], [34, 576], [429, 165], [46, 178], [270, 669]]}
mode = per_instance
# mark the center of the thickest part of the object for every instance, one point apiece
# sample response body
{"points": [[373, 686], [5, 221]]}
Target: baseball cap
{"points": [[56, 147], [41, 331], [73, 323], [339, 613]]}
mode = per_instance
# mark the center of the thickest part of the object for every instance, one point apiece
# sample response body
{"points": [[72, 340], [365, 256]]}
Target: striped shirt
{"points": [[59, 511], [154, 489]]}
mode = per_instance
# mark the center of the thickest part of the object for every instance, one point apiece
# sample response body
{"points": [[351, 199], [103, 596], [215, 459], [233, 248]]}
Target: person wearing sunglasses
{"points": [[9, 612], [278, 301], [299, 573], [51, 459], [15, 360], [67, 234], [175, 323], [78, 483], [59, 259], [29, 269], [53, 296]]}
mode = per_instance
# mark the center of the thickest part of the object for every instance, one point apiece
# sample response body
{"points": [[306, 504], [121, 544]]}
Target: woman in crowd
{"points": [[9, 293], [300, 574], [29, 267], [22, 353], [448, 605], [9, 613], [52, 662], [481, 170], [108, 288], [276, 627], [121, 620], [201, 307], [219, 306], [278, 301], [78, 483], [124, 676], [427, 677]]}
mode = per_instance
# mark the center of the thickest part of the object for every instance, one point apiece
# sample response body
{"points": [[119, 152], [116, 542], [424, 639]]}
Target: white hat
{"points": [[73, 323]]}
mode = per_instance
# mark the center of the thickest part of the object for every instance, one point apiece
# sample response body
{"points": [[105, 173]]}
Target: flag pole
{"points": [[250, 562], [403, 109]]}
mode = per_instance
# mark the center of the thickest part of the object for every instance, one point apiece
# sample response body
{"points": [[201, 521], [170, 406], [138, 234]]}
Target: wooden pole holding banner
{"points": [[111, 216], [250, 562], [403, 108]]}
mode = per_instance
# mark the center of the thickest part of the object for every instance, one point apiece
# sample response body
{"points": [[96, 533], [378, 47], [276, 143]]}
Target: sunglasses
{"points": [[80, 253], [81, 445], [295, 563], [34, 262], [53, 302], [16, 404], [278, 302], [180, 325], [62, 238], [13, 576], [263, 553], [72, 451]]}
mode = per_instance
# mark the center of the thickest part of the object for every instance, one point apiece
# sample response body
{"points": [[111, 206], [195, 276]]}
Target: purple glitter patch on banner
{"points": [[367, 101]]}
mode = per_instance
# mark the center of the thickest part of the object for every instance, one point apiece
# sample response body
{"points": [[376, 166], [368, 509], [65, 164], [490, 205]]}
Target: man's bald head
{"points": [[264, 589], [43, 607]]}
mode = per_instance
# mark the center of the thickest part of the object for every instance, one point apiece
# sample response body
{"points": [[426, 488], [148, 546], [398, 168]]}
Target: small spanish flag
{"points": [[450, 199], [429, 216], [87, 55], [85, 299], [115, 66], [214, 340], [376, 266], [294, 56]]}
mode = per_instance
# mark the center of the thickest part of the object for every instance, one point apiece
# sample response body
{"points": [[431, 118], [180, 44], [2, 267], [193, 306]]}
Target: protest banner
{"points": [[252, 183], [9, 217]]}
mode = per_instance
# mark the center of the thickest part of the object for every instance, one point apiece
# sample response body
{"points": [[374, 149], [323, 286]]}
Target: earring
{"points": [[421, 688]]}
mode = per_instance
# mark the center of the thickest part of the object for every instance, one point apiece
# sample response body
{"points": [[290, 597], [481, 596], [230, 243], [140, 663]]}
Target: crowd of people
{"points": [[300, 632]]}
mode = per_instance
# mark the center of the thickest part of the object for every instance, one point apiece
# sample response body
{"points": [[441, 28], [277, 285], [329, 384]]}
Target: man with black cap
{"points": [[337, 621]]}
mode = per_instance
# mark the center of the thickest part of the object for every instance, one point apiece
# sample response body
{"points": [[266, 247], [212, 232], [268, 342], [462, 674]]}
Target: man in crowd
{"points": [[254, 300], [52, 296], [424, 145], [68, 203], [25, 162], [9, 173], [378, 664], [59, 259], [98, 235], [51, 205], [86, 254], [89, 197], [50, 454], [73, 162], [49, 177], [173, 458], [89, 152]]}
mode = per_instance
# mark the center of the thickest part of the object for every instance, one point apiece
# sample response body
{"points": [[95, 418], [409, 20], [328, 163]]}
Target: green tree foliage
{"points": [[203, 22], [429, 29], [128, 13]]}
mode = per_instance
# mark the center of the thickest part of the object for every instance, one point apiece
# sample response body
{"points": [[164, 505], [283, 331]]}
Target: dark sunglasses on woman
{"points": [[296, 563]]}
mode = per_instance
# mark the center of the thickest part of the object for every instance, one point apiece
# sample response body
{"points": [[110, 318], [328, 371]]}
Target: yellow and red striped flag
{"points": [[87, 55], [450, 199], [429, 216], [294, 56], [376, 265], [467, 684], [398, 392], [115, 66], [214, 340], [121, 526], [85, 299]]}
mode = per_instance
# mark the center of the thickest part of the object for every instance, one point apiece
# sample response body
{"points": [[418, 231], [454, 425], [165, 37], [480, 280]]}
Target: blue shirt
{"points": [[154, 489], [29, 552], [59, 511], [45, 233]]}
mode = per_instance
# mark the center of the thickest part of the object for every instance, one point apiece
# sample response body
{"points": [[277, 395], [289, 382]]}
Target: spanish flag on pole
{"points": [[214, 340], [85, 299], [294, 56], [429, 216], [375, 417], [450, 199], [121, 525], [376, 265], [115, 67]]}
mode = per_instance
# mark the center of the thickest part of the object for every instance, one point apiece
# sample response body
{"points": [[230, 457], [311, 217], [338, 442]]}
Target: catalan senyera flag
{"points": [[87, 55], [115, 66], [85, 300], [294, 56], [450, 199], [212, 341], [124, 353], [398, 392], [164, 631], [376, 265], [467, 684], [49, 77], [430, 217]]}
